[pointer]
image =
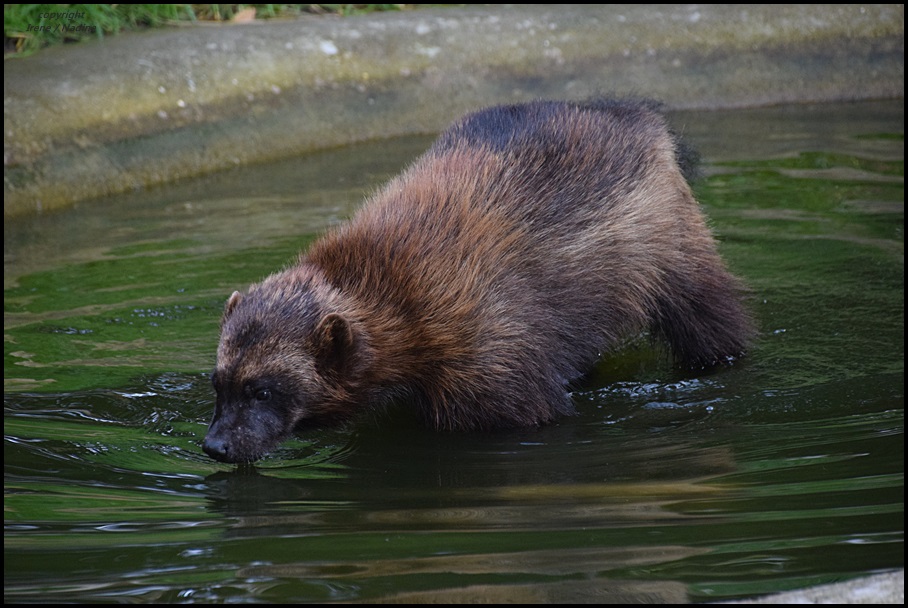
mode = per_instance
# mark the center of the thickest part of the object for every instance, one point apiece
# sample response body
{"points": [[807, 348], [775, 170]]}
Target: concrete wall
{"points": [[139, 109]]}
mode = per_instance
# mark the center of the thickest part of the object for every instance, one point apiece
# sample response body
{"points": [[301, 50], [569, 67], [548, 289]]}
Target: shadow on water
{"points": [[782, 471]]}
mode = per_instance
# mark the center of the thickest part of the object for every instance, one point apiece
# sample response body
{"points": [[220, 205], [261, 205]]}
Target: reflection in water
{"points": [[783, 470]]}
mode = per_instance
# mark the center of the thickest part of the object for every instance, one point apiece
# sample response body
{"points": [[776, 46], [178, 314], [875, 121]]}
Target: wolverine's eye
{"points": [[263, 394]]}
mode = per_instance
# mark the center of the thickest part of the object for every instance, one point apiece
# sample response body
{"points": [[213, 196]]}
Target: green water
{"points": [[783, 471]]}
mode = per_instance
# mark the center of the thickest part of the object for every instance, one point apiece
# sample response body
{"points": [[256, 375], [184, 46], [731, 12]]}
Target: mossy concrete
{"points": [[139, 109]]}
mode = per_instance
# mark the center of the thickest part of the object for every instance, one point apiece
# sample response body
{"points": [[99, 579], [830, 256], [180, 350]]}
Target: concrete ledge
{"points": [[146, 108], [885, 588]]}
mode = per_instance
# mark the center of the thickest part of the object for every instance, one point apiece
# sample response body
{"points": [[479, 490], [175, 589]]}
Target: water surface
{"points": [[782, 471]]}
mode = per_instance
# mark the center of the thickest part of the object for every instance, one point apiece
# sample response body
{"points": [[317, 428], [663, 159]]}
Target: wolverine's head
{"points": [[284, 362]]}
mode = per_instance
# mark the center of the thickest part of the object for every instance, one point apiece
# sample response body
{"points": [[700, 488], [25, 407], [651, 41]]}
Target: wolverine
{"points": [[528, 241]]}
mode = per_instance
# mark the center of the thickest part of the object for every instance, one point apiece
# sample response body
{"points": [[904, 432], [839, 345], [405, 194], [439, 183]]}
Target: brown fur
{"points": [[525, 243]]}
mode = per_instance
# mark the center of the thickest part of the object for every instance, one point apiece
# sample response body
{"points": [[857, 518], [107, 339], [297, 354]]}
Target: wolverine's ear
{"points": [[332, 341], [232, 301]]}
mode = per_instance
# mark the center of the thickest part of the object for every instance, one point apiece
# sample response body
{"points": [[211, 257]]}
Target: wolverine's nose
{"points": [[216, 448]]}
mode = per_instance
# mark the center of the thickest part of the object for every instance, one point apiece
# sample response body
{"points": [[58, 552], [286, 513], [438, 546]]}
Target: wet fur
{"points": [[525, 243]]}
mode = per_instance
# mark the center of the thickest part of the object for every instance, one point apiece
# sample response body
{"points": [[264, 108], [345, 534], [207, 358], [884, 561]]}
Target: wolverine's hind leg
{"points": [[701, 317]]}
